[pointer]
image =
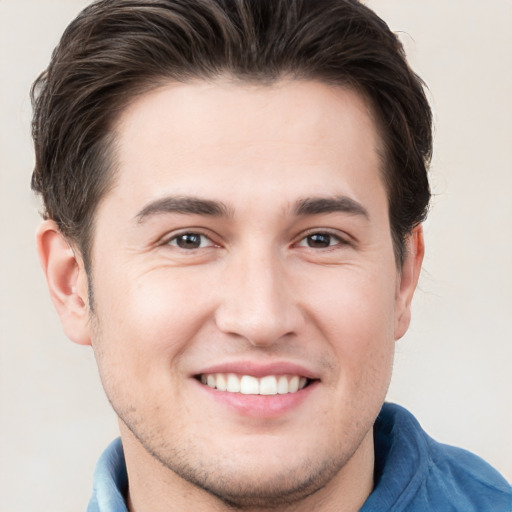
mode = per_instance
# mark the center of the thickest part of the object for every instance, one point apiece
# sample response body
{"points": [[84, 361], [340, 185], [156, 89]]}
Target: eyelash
{"points": [[340, 241], [303, 241], [191, 234]]}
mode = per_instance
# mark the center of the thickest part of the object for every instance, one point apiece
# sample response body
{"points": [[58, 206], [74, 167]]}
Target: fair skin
{"points": [[247, 234]]}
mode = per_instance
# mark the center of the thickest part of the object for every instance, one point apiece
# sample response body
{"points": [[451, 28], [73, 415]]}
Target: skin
{"points": [[258, 288]]}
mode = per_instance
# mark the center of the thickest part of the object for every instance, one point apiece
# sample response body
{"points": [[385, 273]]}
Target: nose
{"points": [[258, 302]]}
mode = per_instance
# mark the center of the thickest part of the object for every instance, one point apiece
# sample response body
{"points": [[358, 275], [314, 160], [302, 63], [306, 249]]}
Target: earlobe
{"points": [[408, 281], [67, 281]]}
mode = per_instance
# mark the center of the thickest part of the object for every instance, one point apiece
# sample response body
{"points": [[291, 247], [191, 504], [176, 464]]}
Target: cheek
{"points": [[153, 307], [356, 316], [145, 321]]}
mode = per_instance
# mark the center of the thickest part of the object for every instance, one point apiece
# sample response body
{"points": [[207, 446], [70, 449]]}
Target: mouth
{"points": [[251, 385], [262, 391]]}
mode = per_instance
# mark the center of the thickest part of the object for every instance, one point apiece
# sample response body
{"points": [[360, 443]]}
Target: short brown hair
{"points": [[116, 50]]}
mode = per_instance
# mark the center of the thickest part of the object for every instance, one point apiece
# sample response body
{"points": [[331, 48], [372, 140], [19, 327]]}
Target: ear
{"points": [[408, 280], [67, 281]]}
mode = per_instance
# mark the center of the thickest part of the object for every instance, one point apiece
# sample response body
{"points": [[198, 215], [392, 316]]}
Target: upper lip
{"points": [[260, 369]]}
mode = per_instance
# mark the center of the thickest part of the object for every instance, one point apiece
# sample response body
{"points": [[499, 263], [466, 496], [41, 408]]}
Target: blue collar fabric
{"points": [[413, 473], [110, 482]]}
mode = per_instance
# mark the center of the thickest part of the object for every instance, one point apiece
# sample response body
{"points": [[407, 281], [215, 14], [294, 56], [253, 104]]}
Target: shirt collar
{"points": [[110, 481]]}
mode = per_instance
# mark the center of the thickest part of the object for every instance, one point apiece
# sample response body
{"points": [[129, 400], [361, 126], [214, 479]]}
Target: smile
{"points": [[250, 385]]}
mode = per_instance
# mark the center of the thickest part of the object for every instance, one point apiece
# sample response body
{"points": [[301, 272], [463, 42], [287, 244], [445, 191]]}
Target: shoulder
{"points": [[416, 473], [465, 480]]}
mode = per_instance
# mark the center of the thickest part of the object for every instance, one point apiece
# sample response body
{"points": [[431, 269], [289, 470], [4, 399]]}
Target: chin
{"points": [[256, 474], [245, 487]]}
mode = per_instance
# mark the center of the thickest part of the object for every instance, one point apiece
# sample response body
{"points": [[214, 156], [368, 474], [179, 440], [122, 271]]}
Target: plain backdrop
{"points": [[453, 368]]}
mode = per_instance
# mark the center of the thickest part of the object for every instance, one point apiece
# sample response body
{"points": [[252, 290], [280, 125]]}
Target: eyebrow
{"points": [[184, 205], [197, 206], [321, 205]]}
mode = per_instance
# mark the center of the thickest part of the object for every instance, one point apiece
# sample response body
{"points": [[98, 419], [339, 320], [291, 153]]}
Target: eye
{"points": [[190, 241], [321, 241]]}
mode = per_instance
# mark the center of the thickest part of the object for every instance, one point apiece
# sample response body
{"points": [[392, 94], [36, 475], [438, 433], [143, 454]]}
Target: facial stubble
{"points": [[187, 461]]}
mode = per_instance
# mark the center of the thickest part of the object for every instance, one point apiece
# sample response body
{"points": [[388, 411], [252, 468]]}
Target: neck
{"points": [[155, 488]]}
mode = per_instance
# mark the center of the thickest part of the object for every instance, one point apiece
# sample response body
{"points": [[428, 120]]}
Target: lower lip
{"points": [[259, 406]]}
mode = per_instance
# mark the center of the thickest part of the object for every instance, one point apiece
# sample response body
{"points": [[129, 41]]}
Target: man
{"points": [[233, 194]]}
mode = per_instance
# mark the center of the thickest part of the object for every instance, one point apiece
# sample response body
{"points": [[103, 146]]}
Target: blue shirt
{"points": [[413, 473]]}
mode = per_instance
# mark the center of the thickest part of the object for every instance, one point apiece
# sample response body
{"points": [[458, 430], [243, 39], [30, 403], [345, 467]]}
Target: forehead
{"points": [[227, 137]]}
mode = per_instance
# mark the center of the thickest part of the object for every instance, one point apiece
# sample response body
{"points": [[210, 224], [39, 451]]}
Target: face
{"points": [[247, 299]]}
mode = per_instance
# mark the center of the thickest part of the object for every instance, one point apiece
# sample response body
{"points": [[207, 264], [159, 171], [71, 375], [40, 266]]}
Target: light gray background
{"points": [[453, 369]]}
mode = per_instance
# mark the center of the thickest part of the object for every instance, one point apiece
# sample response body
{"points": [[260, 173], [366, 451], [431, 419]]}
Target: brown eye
{"points": [[190, 241], [319, 240]]}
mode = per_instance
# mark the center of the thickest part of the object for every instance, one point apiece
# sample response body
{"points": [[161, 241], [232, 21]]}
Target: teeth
{"points": [[293, 385], [249, 385], [233, 384], [268, 385], [282, 385], [221, 383]]}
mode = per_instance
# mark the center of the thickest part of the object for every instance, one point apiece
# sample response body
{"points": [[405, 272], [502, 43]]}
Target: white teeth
{"points": [[233, 384], [221, 382], [282, 385], [293, 385], [249, 385], [268, 385]]}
